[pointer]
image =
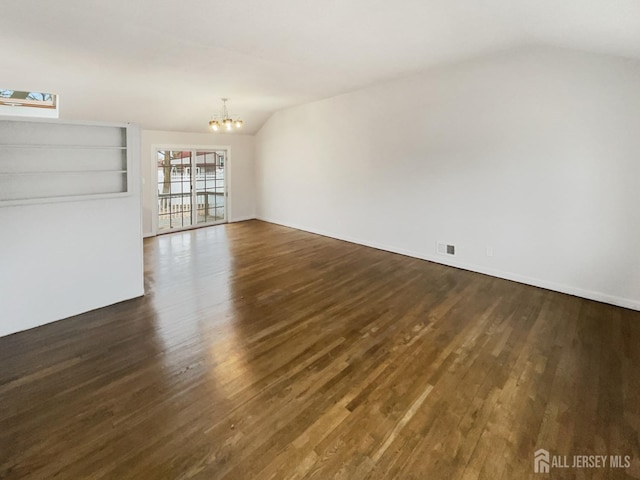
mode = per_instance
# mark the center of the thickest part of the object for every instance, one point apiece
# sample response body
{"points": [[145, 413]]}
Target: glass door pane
{"points": [[210, 186], [174, 189]]}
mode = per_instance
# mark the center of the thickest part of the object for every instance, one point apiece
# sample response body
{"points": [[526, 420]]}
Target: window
{"points": [[28, 104]]}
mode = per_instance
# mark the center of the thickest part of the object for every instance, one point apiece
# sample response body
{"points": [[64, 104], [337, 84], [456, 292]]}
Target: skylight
{"points": [[30, 104]]}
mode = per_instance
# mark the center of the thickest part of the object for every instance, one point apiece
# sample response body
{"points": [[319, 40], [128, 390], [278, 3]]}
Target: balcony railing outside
{"points": [[174, 211], [175, 206]]}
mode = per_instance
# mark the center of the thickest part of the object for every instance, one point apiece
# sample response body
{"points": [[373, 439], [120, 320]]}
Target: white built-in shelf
{"points": [[53, 161]]}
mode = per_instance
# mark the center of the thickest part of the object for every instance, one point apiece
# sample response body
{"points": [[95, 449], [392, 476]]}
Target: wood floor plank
{"points": [[265, 352]]}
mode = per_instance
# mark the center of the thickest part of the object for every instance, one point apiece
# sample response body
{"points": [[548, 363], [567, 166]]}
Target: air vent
{"points": [[444, 248]]}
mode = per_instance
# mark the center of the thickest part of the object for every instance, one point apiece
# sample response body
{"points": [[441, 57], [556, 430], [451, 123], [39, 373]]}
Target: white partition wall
{"points": [[70, 219]]}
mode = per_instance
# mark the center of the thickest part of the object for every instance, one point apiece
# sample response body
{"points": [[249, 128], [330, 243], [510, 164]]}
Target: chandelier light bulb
{"points": [[225, 122]]}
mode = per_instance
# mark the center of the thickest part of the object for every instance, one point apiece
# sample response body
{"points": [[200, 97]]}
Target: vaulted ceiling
{"points": [[165, 64]]}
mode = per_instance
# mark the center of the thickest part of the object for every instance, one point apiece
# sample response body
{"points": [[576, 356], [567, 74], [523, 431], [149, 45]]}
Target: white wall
{"points": [[534, 153], [240, 170], [61, 259]]}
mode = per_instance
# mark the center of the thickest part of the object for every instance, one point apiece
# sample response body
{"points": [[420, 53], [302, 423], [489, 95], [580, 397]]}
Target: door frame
{"points": [[192, 148]]}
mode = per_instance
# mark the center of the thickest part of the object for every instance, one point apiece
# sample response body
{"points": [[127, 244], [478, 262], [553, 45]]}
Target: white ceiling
{"points": [[166, 63]]}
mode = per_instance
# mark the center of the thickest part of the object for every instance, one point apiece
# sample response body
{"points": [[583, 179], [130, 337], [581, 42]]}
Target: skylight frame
{"points": [[16, 106]]}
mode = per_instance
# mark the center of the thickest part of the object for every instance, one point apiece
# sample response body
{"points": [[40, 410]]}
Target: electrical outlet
{"points": [[489, 251]]}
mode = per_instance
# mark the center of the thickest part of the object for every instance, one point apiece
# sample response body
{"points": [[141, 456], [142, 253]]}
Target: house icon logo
{"points": [[541, 461]]}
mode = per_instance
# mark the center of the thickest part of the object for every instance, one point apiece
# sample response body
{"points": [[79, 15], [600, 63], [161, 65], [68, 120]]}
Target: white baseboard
{"points": [[234, 220], [242, 219], [536, 282]]}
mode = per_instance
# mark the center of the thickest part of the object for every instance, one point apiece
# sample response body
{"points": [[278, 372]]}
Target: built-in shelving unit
{"points": [[71, 216], [43, 161]]}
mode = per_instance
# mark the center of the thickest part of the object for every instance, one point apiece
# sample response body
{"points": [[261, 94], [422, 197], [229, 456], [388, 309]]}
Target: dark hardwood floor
{"points": [[262, 352]]}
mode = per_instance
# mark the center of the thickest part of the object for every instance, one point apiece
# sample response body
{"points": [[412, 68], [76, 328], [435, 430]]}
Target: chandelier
{"points": [[224, 120]]}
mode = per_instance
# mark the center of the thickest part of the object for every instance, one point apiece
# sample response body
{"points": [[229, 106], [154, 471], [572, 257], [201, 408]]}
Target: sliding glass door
{"points": [[210, 187], [191, 188]]}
